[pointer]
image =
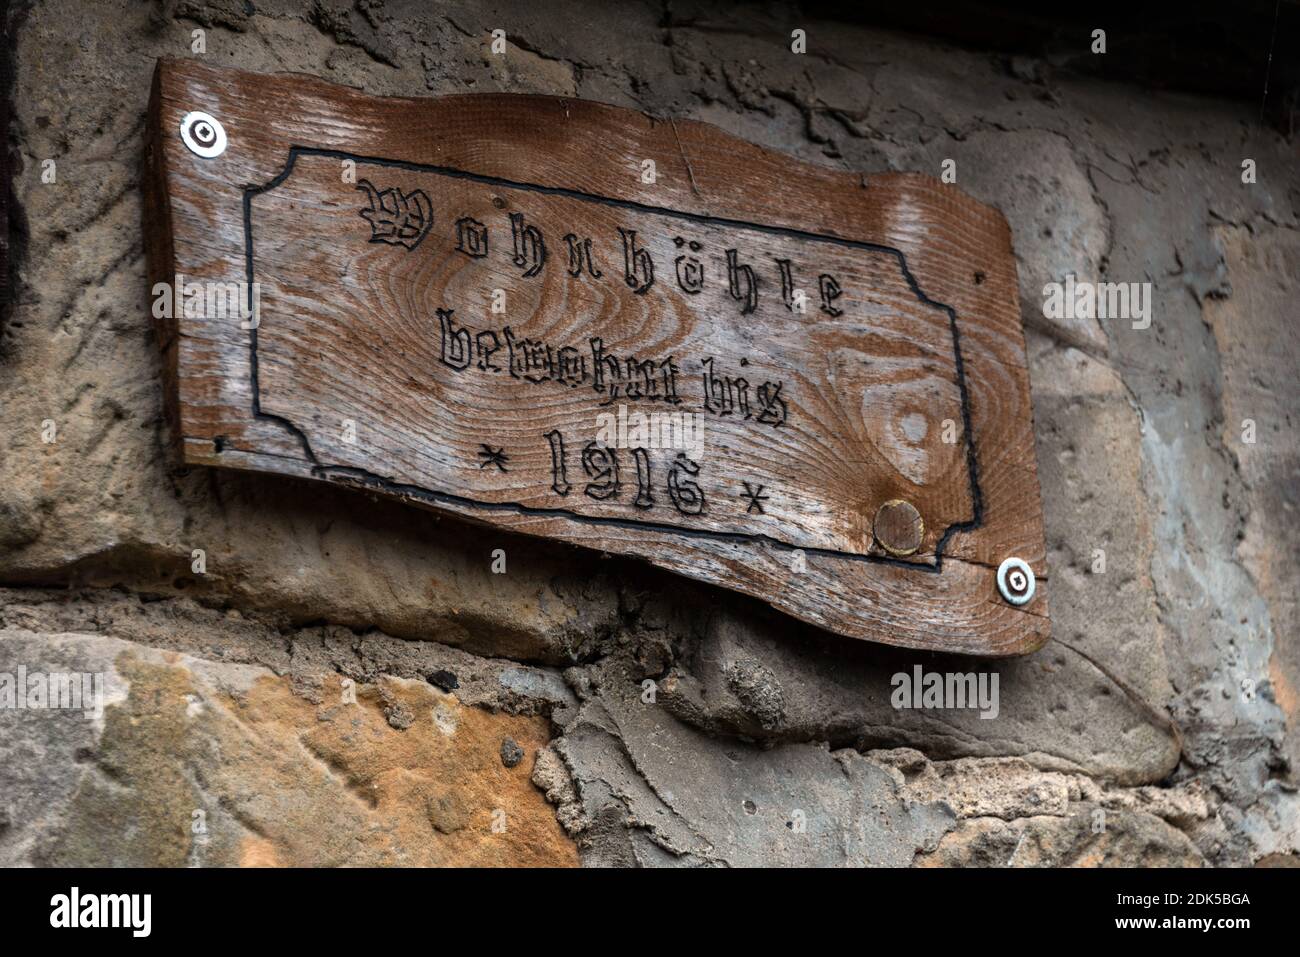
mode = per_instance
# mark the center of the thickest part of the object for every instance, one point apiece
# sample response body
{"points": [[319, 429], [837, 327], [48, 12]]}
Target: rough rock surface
{"points": [[213, 763], [759, 740]]}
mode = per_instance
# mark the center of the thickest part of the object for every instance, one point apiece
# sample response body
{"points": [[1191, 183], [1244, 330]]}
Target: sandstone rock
{"points": [[1079, 840], [1056, 709], [1258, 378], [210, 764], [1007, 788]]}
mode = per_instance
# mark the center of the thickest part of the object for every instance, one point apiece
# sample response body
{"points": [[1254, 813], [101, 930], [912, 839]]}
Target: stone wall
{"points": [[499, 719]]}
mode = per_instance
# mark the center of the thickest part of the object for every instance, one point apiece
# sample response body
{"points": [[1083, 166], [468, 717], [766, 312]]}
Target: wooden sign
{"points": [[641, 336]]}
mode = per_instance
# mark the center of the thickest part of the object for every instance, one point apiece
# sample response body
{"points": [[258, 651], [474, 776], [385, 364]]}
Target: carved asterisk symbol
{"points": [[491, 456], [756, 498]]}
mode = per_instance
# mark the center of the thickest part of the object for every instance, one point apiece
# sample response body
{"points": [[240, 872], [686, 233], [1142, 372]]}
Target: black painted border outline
{"points": [[353, 475]]}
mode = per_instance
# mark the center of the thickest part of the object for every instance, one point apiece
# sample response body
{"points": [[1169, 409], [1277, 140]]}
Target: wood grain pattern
{"points": [[457, 298]]}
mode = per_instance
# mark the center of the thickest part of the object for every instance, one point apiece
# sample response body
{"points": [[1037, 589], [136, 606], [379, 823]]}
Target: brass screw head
{"points": [[898, 527]]}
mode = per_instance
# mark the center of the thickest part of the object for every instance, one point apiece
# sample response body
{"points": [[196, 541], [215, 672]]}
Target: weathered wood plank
{"points": [[482, 305]]}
